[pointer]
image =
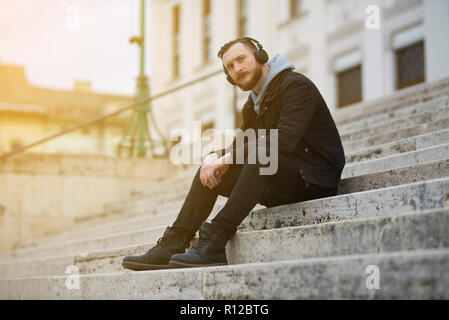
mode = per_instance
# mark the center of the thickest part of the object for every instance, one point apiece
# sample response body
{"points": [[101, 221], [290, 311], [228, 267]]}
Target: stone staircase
{"points": [[391, 215]]}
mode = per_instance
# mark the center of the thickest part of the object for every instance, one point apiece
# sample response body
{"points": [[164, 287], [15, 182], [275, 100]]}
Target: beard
{"points": [[253, 81]]}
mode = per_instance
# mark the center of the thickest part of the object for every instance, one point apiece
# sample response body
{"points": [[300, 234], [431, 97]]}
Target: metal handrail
{"points": [[108, 115]]}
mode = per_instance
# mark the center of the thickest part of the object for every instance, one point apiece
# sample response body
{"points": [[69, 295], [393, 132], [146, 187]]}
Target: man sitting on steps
{"points": [[309, 152]]}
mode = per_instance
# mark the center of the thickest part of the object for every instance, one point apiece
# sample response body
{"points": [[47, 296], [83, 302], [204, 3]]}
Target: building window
{"points": [[207, 32], [295, 8], [410, 65], [176, 41], [349, 86], [242, 18]]}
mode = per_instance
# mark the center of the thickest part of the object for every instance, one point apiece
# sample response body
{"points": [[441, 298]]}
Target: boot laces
{"points": [[163, 240], [200, 245], [159, 243]]}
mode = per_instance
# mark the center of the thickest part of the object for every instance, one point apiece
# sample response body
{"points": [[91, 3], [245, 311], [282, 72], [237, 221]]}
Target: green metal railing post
{"points": [[138, 132]]}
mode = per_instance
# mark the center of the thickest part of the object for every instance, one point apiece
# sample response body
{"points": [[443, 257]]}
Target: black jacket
{"points": [[306, 131]]}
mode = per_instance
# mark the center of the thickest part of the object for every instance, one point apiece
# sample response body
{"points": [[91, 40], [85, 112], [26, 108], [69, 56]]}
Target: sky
{"points": [[63, 41]]}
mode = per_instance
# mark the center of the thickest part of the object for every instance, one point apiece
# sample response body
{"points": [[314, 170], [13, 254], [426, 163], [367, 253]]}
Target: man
{"points": [[309, 152]]}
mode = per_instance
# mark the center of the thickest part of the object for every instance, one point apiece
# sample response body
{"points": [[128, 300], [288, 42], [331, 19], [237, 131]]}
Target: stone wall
{"points": [[42, 194]]}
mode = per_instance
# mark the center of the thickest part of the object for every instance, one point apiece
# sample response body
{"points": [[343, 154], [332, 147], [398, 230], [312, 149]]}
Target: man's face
{"points": [[242, 66]]}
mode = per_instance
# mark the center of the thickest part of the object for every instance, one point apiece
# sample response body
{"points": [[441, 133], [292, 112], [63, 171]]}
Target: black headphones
{"points": [[260, 54]]}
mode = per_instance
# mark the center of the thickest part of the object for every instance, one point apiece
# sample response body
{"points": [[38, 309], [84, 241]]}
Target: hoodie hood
{"points": [[277, 64]]}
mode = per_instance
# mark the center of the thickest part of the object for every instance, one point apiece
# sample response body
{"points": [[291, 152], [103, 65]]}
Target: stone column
{"points": [[318, 50], [373, 64], [436, 22]]}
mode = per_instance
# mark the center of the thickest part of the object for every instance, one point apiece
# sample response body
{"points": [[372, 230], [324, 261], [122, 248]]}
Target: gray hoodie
{"points": [[277, 64]]}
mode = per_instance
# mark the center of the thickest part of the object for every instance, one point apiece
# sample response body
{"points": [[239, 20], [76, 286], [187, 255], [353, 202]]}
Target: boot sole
{"points": [[178, 264], [135, 266]]}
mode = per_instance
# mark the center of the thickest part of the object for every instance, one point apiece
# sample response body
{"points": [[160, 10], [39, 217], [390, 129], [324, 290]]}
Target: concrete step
{"points": [[161, 193], [409, 231], [147, 204], [431, 154], [400, 99], [425, 229], [429, 122], [395, 177], [398, 134], [168, 196], [395, 125], [356, 145], [396, 170], [436, 105], [440, 137], [172, 183], [420, 274], [121, 211], [94, 242], [367, 111], [382, 202], [112, 220], [367, 204], [143, 220], [164, 187]]}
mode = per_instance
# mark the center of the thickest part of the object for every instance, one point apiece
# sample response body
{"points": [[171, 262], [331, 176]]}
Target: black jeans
{"points": [[245, 187]]}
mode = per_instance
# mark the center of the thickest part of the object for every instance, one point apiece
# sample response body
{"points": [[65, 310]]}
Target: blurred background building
{"points": [[28, 113], [353, 50]]}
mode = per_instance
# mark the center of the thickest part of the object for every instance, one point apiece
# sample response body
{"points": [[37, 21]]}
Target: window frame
{"points": [[339, 75], [401, 85]]}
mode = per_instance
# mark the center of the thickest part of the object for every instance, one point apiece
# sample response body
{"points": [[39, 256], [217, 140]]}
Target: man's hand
{"points": [[213, 169]]}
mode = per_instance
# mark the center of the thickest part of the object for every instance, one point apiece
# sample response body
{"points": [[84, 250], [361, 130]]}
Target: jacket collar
{"points": [[269, 94]]}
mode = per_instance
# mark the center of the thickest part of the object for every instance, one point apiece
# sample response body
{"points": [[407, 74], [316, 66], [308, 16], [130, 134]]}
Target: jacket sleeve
{"points": [[298, 106]]}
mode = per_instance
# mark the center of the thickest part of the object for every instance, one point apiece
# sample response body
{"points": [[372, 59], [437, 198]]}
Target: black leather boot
{"points": [[210, 250], [173, 241]]}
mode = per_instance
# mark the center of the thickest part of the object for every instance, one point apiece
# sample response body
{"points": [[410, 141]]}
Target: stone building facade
{"points": [[354, 50], [29, 113]]}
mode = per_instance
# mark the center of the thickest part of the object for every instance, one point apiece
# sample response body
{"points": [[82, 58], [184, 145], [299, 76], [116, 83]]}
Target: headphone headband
{"points": [[253, 41]]}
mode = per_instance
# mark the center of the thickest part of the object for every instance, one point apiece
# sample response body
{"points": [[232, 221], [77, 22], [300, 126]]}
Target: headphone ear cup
{"points": [[228, 77], [261, 56]]}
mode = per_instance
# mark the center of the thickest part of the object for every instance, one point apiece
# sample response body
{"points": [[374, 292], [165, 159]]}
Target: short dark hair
{"points": [[245, 41]]}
